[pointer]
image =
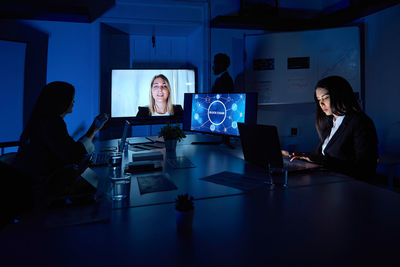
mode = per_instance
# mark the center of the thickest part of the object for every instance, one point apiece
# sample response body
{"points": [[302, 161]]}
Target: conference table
{"points": [[320, 219]]}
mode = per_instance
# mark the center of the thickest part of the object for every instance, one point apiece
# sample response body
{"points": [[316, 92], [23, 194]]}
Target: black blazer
{"points": [[353, 149], [145, 111], [49, 148], [223, 84]]}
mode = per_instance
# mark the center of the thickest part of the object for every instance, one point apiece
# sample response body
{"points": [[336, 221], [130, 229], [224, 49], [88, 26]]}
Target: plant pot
{"points": [[170, 145], [184, 219]]}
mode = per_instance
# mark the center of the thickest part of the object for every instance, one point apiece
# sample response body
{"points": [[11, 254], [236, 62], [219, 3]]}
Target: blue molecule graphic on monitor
{"points": [[218, 113]]}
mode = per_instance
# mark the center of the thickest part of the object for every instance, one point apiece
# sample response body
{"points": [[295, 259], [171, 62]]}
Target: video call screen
{"points": [[219, 113], [130, 88]]}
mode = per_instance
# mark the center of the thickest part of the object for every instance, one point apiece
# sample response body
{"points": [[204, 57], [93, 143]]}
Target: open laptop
{"points": [[123, 138], [260, 145], [102, 158]]}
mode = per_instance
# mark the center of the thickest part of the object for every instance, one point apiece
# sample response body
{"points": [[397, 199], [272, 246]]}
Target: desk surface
{"points": [[208, 160], [322, 222]]}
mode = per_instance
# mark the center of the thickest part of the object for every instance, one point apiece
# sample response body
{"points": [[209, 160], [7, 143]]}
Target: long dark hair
{"points": [[342, 101], [54, 99]]}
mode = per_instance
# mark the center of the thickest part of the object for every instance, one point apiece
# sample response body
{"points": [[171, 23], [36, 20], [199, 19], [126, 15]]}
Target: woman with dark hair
{"points": [[349, 143], [47, 152], [160, 99]]}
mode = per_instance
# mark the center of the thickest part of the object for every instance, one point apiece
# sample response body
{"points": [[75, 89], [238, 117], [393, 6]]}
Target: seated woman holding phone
{"points": [[47, 153], [348, 139]]}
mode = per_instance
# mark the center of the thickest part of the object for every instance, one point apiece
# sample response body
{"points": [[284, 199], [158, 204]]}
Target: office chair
{"points": [[15, 191]]}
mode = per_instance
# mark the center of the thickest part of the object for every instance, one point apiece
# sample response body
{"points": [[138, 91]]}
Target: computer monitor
{"points": [[134, 98], [219, 114]]}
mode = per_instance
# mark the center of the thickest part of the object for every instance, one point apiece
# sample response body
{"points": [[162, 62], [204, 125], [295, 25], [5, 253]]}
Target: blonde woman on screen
{"points": [[160, 103]]}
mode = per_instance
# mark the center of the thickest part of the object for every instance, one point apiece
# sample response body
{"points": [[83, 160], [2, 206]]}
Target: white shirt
{"points": [[158, 114], [336, 124]]}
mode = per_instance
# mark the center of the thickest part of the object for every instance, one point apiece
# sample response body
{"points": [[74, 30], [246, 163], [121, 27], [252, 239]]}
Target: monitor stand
{"points": [[225, 140]]}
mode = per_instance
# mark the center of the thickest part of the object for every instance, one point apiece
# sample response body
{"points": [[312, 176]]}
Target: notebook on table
{"points": [[260, 145]]}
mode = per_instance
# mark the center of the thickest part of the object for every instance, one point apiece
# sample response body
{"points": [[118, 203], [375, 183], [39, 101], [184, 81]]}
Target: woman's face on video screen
{"points": [[159, 90]]}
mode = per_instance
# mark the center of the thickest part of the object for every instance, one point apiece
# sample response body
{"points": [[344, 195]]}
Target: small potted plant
{"points": [[184, 211], [171, 134]]}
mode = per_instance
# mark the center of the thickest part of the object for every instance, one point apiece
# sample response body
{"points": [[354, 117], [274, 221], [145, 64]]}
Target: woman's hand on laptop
{"points": [[285, 153], [295, 155], [299, 155]]}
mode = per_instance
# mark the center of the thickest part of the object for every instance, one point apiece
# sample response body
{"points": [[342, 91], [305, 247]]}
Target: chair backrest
{"points": [[8, 158], [16, 195], [4, 145], [391, 142]]}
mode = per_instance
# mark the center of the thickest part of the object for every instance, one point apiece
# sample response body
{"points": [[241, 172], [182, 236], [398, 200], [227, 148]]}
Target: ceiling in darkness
{"points": [[252, 14], [265, 16], [56, 10]]}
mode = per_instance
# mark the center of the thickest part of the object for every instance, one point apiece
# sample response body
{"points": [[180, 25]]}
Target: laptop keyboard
{"points": [[292, 166], [298, 165], [100, 159]]}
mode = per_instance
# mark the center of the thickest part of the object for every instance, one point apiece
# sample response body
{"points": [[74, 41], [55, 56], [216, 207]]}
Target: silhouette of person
{"points": [[47, 153], [224, 82]]}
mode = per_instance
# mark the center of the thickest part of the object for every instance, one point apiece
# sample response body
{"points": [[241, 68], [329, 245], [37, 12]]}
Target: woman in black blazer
{"points": [[348, 139], [145, 111]]}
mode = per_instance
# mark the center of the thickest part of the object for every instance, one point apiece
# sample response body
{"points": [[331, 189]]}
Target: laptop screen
{"points": [[124, 135], [260, 144]]}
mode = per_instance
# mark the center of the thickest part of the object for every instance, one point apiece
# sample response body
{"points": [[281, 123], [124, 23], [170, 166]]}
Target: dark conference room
{"points": [[199, 133]]}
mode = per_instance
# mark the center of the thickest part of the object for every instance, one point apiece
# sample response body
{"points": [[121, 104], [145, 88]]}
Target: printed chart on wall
{"points": [[284, 67]]}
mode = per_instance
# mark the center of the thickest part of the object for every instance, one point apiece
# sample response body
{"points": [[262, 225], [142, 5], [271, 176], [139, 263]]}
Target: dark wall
{"points": [[35, 62]]}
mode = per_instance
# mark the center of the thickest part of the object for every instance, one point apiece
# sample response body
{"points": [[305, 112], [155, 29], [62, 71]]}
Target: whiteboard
{"points": [[333, 51]]}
